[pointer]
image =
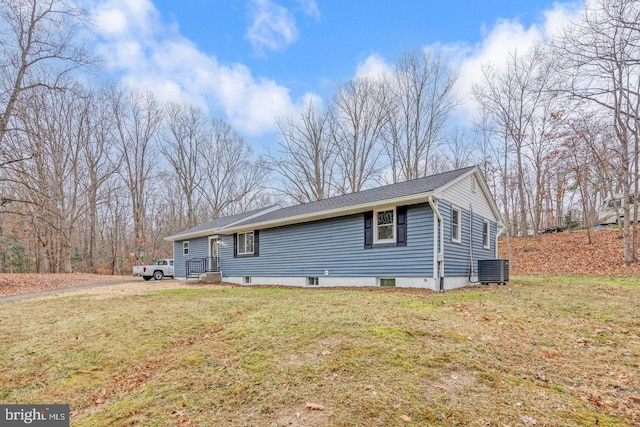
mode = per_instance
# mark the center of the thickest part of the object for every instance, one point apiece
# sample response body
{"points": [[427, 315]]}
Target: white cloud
{"points": [[117, 18], [273, 26], [556, 17], [503, 38], [149, 54], [373, 67], [310, 8]]}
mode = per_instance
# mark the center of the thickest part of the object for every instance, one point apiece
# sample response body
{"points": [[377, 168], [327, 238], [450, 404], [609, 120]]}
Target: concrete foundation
{"points": [[210, 278]]}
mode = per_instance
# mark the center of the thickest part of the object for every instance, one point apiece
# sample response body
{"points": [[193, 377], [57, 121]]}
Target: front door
{"points": [[213, 254], [213, 250]]}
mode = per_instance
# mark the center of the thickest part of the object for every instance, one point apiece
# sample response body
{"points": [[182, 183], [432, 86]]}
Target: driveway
{"points": [[124, 287]]}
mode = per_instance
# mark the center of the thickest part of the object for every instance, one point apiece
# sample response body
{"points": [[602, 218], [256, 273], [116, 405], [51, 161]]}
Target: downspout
{"points": [[501, 228], [471, 245], [440, 255]]}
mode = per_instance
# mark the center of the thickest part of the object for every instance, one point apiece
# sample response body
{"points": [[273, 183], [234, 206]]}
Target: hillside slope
{"points": [[568, 253]]}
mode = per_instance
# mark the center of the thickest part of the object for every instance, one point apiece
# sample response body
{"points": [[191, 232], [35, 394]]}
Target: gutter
{"points": [[440, 255]]}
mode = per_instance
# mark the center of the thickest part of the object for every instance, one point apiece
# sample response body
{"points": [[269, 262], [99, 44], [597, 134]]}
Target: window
{"points": [[312, 281], [384, 226], [486, 234], [185, 248], [455, 225], [387, 282], [246, 280], [245, 243]]}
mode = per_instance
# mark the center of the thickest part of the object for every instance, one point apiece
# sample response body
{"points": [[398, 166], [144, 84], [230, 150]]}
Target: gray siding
{"points": [[336, 245], [198, 248], [457, 255]]}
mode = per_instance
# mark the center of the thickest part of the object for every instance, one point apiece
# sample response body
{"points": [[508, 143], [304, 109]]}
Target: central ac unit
{"points": [[493, 271]]}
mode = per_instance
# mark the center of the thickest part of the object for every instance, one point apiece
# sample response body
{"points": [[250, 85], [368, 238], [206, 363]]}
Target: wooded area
{"points": [[93, 175]]}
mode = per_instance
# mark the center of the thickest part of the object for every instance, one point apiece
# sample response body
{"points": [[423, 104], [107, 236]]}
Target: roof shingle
{"points": [[386, 192], [406, 188]]}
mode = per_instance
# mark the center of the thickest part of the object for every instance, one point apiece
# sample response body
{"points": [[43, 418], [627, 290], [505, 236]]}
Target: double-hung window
{"points": [[384, 227], [185, 248], [245, 243], [456, 217]]}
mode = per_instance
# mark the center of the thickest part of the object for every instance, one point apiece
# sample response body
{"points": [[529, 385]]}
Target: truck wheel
{"points": [[158, 275], [147, 278]]}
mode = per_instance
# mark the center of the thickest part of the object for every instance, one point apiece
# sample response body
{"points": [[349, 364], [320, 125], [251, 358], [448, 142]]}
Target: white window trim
{"points": [[375, 225], [253, 236], [458, 237], [185, 248], [487, 240]]}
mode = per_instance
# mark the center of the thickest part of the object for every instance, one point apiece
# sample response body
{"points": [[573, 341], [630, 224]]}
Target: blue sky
{"points": [[252, 61]]}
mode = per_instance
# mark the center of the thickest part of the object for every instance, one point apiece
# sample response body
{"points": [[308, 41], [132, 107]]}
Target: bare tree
{"points": [[48, 185], [598, 57], [515, 98], [492, 144], [460, 150], [137, 118], [359, 115], [96, 138], [232, 178], [419, 104], [587, 163], [40, 47], [183, 135], [112, 225], [306, 157]]}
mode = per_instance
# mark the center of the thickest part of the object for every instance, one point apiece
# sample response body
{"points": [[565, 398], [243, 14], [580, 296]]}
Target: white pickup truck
{"points": [[160, 269]]}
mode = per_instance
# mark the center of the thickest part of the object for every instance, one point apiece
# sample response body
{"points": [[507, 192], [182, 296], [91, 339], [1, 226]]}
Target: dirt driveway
{"points": [[98, 287]]}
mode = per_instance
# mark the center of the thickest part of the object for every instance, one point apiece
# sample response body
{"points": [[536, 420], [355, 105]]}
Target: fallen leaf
{"points": [[314, 407], [530, 421], [405, 418]]}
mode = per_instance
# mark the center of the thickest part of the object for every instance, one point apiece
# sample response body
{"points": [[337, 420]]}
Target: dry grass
{"points": [[536, 352]]}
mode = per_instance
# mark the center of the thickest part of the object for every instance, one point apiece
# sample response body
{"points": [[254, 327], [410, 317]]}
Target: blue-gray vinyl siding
{"points": [[457, 256], [336, 245], [198, 248]]}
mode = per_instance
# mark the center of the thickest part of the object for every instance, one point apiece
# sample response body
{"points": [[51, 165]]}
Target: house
{"points": [[427, 232]]}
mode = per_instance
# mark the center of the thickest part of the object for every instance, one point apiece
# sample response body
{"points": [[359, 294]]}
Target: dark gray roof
{"points": [[220, 222], [400, 189]]}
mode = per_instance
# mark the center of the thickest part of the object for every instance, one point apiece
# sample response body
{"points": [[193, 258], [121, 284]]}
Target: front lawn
{"points": [[540, 351]]}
